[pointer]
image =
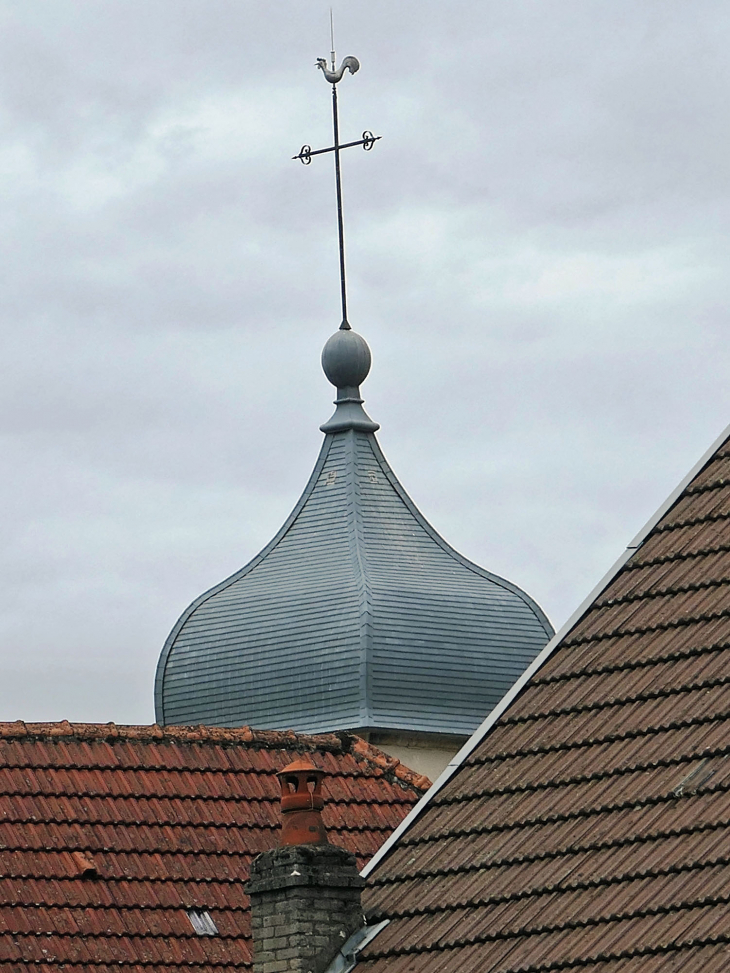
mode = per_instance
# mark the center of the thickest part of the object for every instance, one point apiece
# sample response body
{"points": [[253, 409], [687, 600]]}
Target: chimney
{"points": [[305, 894]]}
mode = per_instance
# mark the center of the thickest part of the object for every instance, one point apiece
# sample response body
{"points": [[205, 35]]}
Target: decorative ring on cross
{"points": [[305, 155], [368, 140]]}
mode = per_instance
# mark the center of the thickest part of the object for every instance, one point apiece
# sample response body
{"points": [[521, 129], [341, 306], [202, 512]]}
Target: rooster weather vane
{"points": [[368, 140]]}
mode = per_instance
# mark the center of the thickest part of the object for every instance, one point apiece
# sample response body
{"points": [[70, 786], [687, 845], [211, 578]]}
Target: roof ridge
{"points": [[360, 565], [389, 764], [173, 733], [342, 742]]}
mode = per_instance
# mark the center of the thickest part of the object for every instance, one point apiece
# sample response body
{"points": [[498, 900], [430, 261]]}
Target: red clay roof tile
{"points": [[108, 834]]}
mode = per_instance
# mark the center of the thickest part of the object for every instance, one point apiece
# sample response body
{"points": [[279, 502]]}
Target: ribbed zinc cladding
{"points": [[357, 614]]}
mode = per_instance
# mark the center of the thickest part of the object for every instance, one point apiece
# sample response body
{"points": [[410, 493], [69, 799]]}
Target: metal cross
{"points": [[306, 152]]}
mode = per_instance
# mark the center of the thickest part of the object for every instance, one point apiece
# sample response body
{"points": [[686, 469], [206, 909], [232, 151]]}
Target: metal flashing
{"points": [[682, 486], [346, 959], [540, 659], [349, 414]]}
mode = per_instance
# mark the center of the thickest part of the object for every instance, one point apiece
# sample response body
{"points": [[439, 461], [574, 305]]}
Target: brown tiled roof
{"points": [[590, 826], [109, 834]]}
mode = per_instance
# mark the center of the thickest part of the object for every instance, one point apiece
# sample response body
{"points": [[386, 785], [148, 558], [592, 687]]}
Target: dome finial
{"points": [[346, 362], [346, 358]]}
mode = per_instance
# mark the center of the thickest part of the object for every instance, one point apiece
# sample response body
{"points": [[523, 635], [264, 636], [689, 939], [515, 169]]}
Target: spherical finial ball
{"points": [[346, 359]]}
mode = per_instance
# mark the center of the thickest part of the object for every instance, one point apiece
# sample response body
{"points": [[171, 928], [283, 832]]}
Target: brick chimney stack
{"points": [[305, 894]]}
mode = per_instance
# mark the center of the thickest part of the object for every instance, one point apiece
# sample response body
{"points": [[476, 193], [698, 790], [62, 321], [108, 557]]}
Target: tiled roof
{"points": [[110, 834], [590, 826], [357, 614]]}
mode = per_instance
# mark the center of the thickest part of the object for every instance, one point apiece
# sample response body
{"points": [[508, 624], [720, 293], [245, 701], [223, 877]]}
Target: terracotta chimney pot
{"points": [[305, 894], [301, 804]]}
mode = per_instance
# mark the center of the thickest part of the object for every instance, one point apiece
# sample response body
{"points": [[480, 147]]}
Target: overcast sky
{"points": [[538, 259]]}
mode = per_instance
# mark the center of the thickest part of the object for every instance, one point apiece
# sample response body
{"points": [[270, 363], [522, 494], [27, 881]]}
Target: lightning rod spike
{"points": [[332, 38]]}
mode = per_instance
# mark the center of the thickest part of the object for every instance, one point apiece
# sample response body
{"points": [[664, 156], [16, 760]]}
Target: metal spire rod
{"points": [[340, 225], [332, 38], [306, 152]]}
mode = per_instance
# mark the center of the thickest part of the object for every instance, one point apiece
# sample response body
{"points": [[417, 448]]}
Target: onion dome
{"points": [[358, 614]]}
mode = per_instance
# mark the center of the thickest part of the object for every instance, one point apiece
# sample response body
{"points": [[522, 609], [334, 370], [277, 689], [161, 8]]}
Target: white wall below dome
{"points": [[425, 753]]}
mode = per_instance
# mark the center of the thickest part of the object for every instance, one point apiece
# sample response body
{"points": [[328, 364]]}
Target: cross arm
{"points": [[306, 152]]}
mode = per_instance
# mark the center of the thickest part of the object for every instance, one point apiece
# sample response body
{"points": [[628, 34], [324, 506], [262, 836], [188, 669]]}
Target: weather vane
{"points": [[333, 75]]}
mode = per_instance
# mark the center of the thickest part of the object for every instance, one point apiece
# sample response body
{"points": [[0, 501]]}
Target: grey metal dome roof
{"points": [[357, 614]]}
